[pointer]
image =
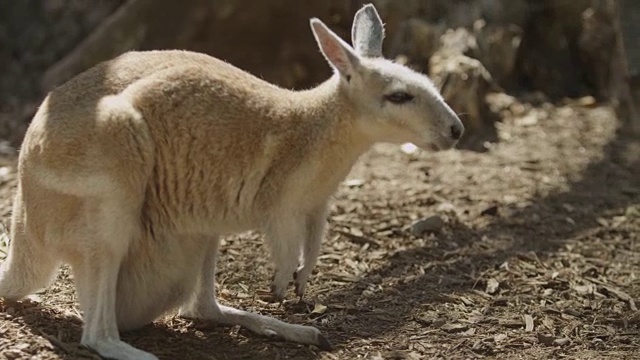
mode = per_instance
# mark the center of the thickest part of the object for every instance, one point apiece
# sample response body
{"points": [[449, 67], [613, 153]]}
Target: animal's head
{"points": [[395, 103]]}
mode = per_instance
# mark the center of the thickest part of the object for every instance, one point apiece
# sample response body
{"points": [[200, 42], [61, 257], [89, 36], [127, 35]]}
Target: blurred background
{"points": [[537, 50]]}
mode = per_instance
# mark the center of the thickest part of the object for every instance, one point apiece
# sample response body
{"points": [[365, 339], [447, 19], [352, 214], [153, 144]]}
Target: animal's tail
{"points": [[27, 268]]}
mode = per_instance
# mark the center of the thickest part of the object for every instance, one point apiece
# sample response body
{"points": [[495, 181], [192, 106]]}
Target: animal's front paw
{"points": [[300, 288], [278, 291], [282, 280], [300, 277]]}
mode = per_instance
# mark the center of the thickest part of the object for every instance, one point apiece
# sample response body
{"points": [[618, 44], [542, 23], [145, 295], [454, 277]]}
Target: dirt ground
{"points": [[537, 256]]}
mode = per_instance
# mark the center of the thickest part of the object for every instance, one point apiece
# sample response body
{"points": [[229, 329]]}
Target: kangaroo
{"points": [[132, 170]]}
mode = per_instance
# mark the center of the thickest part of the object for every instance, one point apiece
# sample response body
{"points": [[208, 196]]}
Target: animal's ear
{"points": [[367, 32], [339, 54]]}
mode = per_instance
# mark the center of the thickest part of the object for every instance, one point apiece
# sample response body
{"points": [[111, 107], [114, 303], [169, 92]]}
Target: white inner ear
{"points": [[337, 52]]}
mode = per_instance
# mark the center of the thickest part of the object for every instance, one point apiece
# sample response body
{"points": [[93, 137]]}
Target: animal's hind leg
{"points": [[204, 305], [109, 231], [28, 266]]}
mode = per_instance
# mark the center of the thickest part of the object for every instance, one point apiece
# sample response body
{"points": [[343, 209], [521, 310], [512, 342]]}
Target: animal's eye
{"points": [[399, 97]]}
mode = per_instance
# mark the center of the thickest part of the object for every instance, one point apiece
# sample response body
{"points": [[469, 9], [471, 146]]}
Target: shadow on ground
{"points": [[538, 231]]}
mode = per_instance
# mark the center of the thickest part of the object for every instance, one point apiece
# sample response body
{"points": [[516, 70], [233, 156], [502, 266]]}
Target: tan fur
{"points": [[131, 171]]}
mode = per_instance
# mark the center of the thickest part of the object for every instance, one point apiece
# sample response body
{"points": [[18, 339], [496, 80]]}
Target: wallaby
{"points": [[132, 170]]}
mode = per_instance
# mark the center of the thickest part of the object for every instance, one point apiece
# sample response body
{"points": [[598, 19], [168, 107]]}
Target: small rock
{"points": [[430, 224], [500, 337], [490, 211], [457, 327], [354, 183], [446, 207], [527, 120], [587, 101], [408, 148], [561, 341], [546, 339], [492, 286], [500, 101], [470, 332]]}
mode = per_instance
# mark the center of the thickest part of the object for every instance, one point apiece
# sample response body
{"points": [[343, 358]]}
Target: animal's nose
{"points": [[456, 132]]}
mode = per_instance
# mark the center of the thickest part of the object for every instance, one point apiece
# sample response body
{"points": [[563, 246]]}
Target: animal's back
{"points": [[198, 134], [113, 76]]}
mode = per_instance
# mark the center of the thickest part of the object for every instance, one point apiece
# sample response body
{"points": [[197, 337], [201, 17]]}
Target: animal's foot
{"points": [[278, 291], [300, 277], [117, 349], [300, 288], [299, 334], [203, 310], [274, 328], [280, 284]]}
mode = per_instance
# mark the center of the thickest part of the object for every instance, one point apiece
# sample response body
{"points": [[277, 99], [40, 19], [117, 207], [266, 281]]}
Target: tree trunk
{"points": [[625, 67]]}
